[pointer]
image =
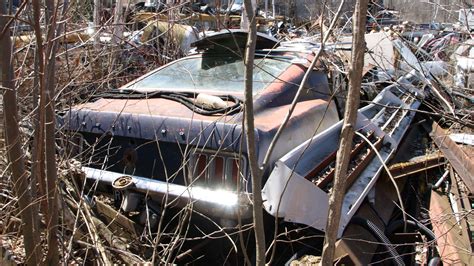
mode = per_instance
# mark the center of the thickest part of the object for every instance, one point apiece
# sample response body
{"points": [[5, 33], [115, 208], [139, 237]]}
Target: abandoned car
{"points": [[176, 133], [172, 140]]}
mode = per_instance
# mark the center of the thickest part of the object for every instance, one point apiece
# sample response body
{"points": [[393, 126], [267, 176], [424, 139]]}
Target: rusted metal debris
{"points": [[453, 240], [413, 167], [461, 162], [386, 119]]}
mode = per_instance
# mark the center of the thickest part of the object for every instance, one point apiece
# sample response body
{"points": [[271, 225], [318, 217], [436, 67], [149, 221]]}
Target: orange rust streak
{"points": [[453, 244], [273, 117]]}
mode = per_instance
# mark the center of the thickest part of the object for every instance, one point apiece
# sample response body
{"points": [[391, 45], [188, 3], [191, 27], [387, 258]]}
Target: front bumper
{"points": [[215, 203]]}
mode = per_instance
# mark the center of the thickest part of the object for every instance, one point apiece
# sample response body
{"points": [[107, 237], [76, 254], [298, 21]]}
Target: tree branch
{"points": [[350, 117]]}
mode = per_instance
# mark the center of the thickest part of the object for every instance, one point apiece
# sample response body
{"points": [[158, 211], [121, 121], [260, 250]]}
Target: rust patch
{"points": [[452, 240], [461, 162], [273, 117]]}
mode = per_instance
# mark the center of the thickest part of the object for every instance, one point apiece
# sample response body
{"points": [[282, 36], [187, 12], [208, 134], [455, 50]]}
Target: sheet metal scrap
{"points": [[422, 68], [459, 159], [452, 240], [297, 189]]}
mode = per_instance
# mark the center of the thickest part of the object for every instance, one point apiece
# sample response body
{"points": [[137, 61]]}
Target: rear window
{"points": [[218, 73]]}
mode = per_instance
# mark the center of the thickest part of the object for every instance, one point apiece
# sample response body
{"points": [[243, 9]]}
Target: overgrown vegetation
{"points": [[56, 55]]}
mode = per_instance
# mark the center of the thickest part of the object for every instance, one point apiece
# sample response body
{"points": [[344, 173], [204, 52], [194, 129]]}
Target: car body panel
{"points": [[163, 140]]}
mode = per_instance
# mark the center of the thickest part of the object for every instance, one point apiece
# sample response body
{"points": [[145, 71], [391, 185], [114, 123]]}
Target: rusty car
{"points": [[174, 136]]}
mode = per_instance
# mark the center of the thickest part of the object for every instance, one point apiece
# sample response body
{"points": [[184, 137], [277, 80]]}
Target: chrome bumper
{"points": [[215, 203]]}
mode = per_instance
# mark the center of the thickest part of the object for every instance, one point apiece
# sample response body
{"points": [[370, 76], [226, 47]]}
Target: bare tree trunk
{"points": [[218, 15], [118, 22], [14, 151], [34, 118], [245, 18], [250, 134], [292, 9], [97, 64], [54, 30], [350, 116], [96, 18], [38, 164], [266, 8], [117, 34], [273, 8]]}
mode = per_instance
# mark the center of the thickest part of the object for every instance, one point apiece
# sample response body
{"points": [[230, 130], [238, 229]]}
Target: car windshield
{"points": [[209, 72]]}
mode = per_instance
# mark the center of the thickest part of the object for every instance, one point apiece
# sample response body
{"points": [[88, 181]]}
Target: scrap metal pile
{"points": [[398, 134], [161, 170], [406, 110]]}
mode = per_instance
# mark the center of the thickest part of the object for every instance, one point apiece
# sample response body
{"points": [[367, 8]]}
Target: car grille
{"points": [[164, 161], [147, 158]]}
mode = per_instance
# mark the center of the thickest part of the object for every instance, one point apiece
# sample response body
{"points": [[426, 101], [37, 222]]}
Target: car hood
{"points": [[151, 107], [170, 121]]}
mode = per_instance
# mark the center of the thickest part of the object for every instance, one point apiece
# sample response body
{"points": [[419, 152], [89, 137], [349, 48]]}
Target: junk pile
{"points": [[409, 187], [416, 135], [161, 173], [408, 195]]}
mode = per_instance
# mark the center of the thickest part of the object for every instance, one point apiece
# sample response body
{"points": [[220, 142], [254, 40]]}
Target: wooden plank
{"points": [[343, 250], [113, 216]]}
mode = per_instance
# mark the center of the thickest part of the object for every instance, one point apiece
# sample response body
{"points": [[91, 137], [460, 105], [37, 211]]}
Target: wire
{"points": [[379, 235], [185, 98], [393, 226]]}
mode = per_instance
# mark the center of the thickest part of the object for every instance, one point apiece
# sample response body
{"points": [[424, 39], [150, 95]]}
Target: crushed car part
{"points": [[388, 116], [462, 163]]}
